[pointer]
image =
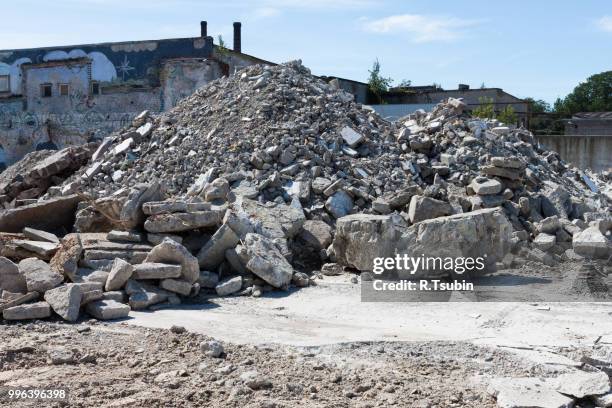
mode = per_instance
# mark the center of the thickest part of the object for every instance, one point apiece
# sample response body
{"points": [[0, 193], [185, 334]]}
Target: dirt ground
{"points": [[115, 365], [316, 347]]}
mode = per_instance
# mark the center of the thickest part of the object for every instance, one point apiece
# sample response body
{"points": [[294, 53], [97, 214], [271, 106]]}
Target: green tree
{"points": [[221, 48], [593, 95], [507, 115], [538, 106], [486, 109], [377, 83]]}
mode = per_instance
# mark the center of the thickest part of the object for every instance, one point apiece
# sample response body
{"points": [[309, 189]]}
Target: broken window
{"points": [[63, 89], [4, 83], [46, 90], [95, 88]]}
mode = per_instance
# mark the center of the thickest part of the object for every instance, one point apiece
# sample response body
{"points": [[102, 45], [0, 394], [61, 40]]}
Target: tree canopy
{"points": [[593, 95]]}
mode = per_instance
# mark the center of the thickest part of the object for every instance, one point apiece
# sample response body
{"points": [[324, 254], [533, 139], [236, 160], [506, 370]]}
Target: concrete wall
{"points": [[594, 152]]}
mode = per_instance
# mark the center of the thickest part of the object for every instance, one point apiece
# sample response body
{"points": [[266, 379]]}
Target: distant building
{"points": [[68, 95], [589, 124], [402, 101]]}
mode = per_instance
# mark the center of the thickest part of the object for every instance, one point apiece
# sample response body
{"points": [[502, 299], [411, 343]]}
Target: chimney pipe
{"points": [[203, 29], [237, 37]]}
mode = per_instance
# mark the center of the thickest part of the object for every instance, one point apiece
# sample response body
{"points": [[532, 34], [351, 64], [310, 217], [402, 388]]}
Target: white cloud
{"points": [[266, 12], [604, 23], [422, 28], [320, 4]]}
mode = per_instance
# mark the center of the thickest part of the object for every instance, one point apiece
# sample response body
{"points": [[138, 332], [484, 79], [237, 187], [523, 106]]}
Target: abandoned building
{"points": [[57, 96], [589, 124], [398, 102]]}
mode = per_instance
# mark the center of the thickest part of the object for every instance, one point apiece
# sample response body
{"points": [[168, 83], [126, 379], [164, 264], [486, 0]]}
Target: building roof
{"points": [[593, 115]]}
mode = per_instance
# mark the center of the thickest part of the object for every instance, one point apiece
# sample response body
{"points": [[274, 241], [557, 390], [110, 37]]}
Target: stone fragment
{"points": [[339, 204], [119, 274], [212, 348], [177, 222], [485, 186], [38, 275], [266, 261], [172, 252], [508, 173], [157, 239], [509, 162], [212, 254], [581, 384], [107, 309], [65, 300], [153, 270], [39, 235], [11, 280], [208, 279], [255, 381], [177, 286], [317, 234], [229, 286], [131, 215], [591, 243], [544, 242], [527, 393], [124, 236], [41, 248], [351, 137], [424, 208], [38, 310]]}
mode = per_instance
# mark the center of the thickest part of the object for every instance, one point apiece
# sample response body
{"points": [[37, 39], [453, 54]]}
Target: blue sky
{"points": [[530, 48]]}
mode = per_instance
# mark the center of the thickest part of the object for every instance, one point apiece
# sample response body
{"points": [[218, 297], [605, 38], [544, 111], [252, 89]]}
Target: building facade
{"points": [[58, 96]]}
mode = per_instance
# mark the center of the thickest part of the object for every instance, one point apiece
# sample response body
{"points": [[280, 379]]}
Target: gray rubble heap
{"points": [[270, 170]]}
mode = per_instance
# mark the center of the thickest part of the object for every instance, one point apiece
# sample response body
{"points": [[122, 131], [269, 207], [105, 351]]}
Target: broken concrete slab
{"points": [[229, 286], [124, 236], [172, 252], [266, 261], [527, 393], [37, 215], [581, 384], [485, 186], [107, 309], [351, 137], [42, 248], [213, 252], [339, 204], [39, 235], [153, 270], [591, 243], [30, 311], [177, 286], [119, 274], [11, 279], [38, 275], [65, 300], [544, 241], [424, 208], [317, 234], [177, 222]]}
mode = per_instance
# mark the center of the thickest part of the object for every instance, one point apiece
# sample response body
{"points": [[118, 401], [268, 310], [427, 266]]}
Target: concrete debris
{"points": [[38, 310], [527, 393], [230, 190]]}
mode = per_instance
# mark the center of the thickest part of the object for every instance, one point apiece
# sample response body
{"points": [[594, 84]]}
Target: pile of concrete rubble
{"points": [[264, 176]]}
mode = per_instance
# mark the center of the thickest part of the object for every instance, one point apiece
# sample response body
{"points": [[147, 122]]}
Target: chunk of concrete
{"points": [[581, 384], [119, 275], [38, 275], [37, 215], [213, 253], [38, 310], [591, 243], [172, 252], [527, 393], [131, 215], [177, 286], [39, 235], [124, 236], [317, 234], [351, 137], [107, 309], [177, 222], [154, 270], [208, 279], [11, 280], [485, 186], [424, 208], [544, 242], [229, 286], [44, 249], [339, 204], [65, 300], [266, 261]]}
